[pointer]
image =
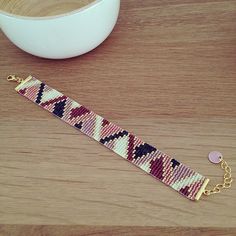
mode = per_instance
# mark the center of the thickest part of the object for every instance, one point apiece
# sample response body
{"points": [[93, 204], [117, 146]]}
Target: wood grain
{"points": [[37, 8], [22, 230], [166, 73]]}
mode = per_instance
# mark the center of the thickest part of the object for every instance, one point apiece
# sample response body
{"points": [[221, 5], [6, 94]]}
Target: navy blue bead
{"points": [[40, 93], [143, 150], [114, 136], [59, 108], [174, 163]]}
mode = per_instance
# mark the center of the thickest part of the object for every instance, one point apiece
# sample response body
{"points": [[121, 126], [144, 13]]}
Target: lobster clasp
{"points": [[15, 78]]}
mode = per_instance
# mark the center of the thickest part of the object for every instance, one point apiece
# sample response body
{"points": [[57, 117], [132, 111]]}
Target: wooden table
{"points": [[168, 74]]}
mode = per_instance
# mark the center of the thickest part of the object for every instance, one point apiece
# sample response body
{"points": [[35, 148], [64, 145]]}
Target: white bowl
{"points": [[62, 36]]}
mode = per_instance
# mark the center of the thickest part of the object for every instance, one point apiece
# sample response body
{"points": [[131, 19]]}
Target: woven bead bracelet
{"points": [[159, 165]]}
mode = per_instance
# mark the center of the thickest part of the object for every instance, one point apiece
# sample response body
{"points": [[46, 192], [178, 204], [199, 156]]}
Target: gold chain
{"points": [[15, 78], [226, 183]]}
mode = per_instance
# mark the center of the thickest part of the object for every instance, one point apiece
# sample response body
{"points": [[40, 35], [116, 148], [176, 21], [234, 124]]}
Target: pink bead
{"points": [[215, 157]]}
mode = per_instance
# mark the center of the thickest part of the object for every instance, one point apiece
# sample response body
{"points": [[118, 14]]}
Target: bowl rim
{"points": [[69, 13]]}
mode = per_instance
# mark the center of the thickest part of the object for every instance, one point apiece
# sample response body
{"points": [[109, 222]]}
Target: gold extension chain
{"points": [[226, 183]]}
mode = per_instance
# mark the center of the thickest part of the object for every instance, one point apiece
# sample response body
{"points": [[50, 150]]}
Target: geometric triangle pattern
{"points": [[156, 163]]}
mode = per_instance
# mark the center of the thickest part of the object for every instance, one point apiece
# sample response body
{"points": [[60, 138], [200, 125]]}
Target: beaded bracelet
{"points": [[159, 165]]}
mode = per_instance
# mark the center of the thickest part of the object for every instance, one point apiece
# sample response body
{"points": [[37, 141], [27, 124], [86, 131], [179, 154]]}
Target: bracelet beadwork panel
{"points": [[156, 163]]}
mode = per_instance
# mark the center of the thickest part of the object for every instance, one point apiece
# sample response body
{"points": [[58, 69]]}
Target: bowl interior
{"points": [[39, 8]]}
